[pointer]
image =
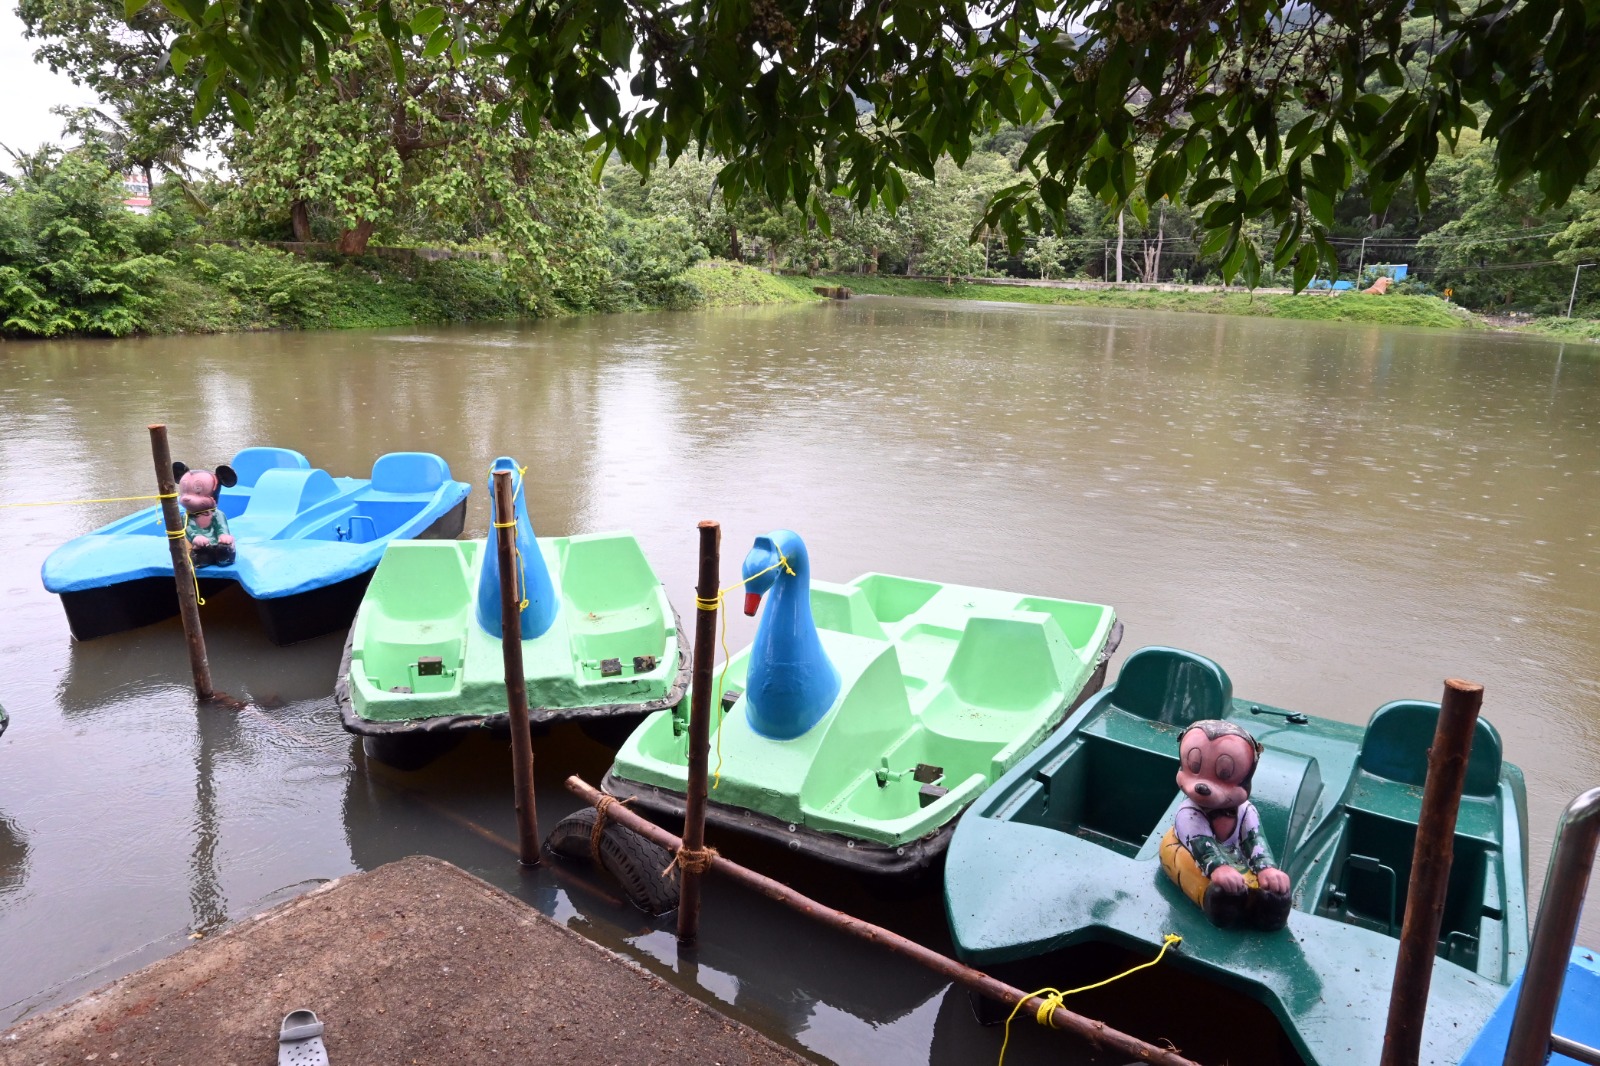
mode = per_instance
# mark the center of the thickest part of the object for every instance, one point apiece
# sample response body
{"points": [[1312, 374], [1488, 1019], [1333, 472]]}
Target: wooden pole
{"points": [[505, 528], [182, 563], [1430, 871], [694, 808], [1097, 1033]]}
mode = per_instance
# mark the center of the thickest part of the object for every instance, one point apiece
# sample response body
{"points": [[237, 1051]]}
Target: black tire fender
{"points": [[635, 862]]}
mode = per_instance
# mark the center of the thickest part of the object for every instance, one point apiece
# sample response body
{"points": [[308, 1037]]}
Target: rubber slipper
{"points": [[300, 1040]]}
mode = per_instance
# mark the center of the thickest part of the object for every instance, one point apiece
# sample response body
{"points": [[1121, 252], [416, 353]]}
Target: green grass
{"points": [[722, 284], [1426, 311], [1565, 329]]}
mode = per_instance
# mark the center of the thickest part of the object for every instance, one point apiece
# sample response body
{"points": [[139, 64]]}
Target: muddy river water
{"points": [[1339, 515]]}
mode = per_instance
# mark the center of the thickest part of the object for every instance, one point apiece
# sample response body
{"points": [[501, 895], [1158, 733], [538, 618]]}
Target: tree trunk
{"points": [[1161, 236], [300, 220], [872, 262], [1119, 247], [733, 244], [149, 183], [354, 241]]}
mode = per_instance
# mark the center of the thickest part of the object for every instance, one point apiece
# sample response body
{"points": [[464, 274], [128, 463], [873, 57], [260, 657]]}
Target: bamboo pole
{"points": [[1430, 871], [182, 563], [505, 527], [694, 808], [1097, 1033]]}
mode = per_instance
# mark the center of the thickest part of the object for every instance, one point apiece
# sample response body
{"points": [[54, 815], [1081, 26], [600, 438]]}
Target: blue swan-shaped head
{"points": [[791, 683]]}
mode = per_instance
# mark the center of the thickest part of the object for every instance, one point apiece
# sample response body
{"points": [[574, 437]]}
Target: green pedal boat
{"points": [[424, 664], [1055, 876], [867, 716]]}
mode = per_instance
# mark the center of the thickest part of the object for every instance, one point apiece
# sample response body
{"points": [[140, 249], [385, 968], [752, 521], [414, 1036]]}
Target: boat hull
{"points": [[110, 609]]}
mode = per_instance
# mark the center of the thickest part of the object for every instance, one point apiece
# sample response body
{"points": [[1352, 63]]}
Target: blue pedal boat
{"points": [[307, 544], [1053, 877]]}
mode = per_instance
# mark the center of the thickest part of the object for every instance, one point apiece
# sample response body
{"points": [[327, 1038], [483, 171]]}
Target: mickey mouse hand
{"points": [[1228, 879], [226, 540], [1273, 880], [201, 542]]}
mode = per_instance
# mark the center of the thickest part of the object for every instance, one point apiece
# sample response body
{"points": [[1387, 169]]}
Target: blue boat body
{"points": [[1577, 1018], [297, 530]]}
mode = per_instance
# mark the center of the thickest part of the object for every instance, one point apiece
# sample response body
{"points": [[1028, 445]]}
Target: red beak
{"points": [[752, 600]]}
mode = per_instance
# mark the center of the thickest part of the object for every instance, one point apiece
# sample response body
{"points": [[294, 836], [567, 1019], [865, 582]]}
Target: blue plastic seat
{"points": [[409, 472]]}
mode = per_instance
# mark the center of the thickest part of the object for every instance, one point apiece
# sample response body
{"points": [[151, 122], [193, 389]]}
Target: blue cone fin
{"points": [[791, 682], [534, 577]]}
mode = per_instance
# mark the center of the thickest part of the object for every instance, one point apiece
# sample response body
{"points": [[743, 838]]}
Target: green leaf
{"points": [[438, 41], [427, 20]]}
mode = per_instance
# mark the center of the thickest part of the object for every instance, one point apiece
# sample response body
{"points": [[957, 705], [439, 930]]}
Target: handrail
{"points": [[1566, 882]]}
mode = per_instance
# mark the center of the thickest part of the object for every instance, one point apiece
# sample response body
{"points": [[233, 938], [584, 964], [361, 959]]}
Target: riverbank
{"points": [[416, 961], [1426, 311]]}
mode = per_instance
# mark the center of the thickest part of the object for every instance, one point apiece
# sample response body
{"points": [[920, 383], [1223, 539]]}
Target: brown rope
{"points": [[599, 829], [692, 860]]}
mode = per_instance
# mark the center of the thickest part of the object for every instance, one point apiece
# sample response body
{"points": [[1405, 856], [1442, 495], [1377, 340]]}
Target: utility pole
{"points": [[1574, 295], [1362, 263]]}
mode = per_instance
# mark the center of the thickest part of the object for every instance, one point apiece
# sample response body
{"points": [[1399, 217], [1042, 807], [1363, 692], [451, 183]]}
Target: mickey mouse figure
{"points": [[1215, 852], [204, 525]]}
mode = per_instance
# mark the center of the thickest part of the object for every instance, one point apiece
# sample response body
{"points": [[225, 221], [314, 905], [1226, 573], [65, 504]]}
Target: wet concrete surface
{"points": [[415, 962]]}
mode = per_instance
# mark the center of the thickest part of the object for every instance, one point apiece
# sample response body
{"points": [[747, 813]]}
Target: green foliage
{"points": [[1132, 102], [425, 157], [146, 120], [648, 259], [71, 258], [722, 284]]}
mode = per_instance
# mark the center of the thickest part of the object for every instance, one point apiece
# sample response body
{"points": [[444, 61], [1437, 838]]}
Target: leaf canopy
{"points": [[1264, 110]]}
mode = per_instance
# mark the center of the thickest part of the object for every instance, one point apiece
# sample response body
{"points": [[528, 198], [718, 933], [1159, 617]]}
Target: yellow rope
{"points": [[177, 534], [1046, 1014], [722, 679], [103, 499]]}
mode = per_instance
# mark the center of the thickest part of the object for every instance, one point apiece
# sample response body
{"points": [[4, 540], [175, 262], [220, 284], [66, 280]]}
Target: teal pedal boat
{"points": [[1058, 864], [867, 716], [601, 644]]}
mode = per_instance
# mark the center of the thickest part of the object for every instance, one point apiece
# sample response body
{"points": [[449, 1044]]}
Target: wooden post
{"points": [[1097, 1033], [694, 807], [1430, 871], [182, 563], [505, 528]]}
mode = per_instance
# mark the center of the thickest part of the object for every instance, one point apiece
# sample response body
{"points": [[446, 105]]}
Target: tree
{"points": [[423, 157], [147, 121], [803, 96], [71, 259]]}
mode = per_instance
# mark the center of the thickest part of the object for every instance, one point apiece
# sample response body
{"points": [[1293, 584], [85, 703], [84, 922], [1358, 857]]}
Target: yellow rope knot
{"points": [[601, 817], [1051, 997], [691, 860]]}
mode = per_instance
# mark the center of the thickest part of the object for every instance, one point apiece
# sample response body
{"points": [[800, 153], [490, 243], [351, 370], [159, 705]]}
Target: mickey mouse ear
{"points": [[226, 477], [179, 469]]}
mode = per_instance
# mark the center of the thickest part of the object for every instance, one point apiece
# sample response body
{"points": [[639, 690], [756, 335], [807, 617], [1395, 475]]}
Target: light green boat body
{"points": [[421, 604], [964, 679]]}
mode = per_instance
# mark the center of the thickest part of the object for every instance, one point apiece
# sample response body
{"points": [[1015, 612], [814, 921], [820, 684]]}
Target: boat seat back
{"points": [[285, 493], [251, 463], [894, 599], [1172, 687], [1005, 664], [409, 472], [844, 609], [1398, 737]]}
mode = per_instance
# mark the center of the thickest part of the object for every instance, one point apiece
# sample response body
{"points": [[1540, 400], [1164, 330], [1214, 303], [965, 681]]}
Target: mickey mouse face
{"points": [[197, 489], [1214, 771]]}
